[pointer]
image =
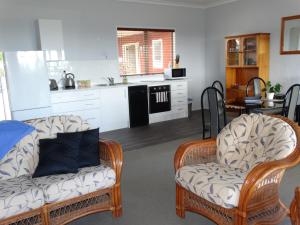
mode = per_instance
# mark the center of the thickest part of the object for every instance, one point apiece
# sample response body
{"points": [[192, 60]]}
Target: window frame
{"points": [[173, 47]]}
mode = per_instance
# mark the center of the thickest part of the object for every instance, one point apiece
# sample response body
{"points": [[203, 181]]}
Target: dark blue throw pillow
{"points": [[58, 156], [88, 148]]}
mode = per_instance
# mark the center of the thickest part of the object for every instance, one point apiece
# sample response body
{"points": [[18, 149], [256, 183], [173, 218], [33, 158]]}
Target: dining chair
{"points": [[218, 84], [256, 83], [290, 101], [216, 119]]}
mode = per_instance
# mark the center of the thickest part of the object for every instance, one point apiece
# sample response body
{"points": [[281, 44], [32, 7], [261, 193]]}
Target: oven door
{"points": [[159, 99]]}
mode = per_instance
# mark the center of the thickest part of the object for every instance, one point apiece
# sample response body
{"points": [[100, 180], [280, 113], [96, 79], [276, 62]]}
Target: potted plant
{"points": [[272, 90]]}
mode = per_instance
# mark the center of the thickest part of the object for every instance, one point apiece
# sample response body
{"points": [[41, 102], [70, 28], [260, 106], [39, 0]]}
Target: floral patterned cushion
{"points": [[65, 186], [216, 183], [23, 158], [19, 195], [251, 139], [48, 127]]}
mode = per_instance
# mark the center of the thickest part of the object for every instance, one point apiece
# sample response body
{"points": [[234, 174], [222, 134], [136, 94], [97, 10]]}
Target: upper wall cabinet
{"points": [[246, 50], [51, 39]]}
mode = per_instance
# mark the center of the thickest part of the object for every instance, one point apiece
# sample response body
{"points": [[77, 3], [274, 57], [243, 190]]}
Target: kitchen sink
{"points": [[115, 84]]}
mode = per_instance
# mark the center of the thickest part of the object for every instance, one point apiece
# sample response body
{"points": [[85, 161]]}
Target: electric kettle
{"points": [[69, 80]]}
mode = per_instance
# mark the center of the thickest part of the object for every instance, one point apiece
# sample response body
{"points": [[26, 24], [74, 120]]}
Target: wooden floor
{"points": [[135, 138]]}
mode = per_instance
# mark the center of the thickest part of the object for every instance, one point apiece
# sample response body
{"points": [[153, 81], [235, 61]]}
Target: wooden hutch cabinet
{"points": [[247, 56]]}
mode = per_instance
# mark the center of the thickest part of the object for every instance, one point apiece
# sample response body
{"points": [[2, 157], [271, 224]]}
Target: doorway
{"points": [[132, 58]]}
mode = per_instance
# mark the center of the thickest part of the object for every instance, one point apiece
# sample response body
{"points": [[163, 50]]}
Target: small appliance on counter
{"points": [[176, 73], [53, 85], [69, 81], [84, 83]]}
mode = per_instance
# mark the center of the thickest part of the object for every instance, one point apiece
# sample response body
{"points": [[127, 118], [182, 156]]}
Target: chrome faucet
{"points": [[111, 80]]}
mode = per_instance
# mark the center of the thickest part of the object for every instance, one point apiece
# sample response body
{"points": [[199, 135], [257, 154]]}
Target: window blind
{"points": [[145, 51]]}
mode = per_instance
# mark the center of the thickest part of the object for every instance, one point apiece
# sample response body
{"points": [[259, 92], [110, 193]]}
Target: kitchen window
{"points": [[145, 51]]}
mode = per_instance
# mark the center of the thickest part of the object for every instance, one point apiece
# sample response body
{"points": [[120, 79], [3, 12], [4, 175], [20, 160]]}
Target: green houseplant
{"points": [[272, 90]]}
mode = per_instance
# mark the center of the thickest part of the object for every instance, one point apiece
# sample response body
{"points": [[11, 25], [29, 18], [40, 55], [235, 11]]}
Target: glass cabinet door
{"points": [[233, 52], [250, 51]]}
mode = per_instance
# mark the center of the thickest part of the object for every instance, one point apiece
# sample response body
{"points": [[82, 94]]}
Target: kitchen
{"points": [[84, 89]]}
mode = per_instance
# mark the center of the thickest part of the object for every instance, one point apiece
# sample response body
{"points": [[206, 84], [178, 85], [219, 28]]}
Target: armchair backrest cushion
{"points": [[252, 139], [23, 158]]}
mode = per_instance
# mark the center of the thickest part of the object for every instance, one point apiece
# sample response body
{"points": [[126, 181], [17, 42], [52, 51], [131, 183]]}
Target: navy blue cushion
{"points": [[89, 147], [58, 156]]}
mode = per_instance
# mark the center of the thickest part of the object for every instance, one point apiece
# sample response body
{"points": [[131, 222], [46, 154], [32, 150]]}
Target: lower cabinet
{"points": [[114, 108], [92, 116], [106, 108], [83, 103]]}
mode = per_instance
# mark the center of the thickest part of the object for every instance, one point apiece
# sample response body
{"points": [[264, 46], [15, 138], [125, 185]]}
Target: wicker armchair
{"points": [[257, 200], [295, 208]]}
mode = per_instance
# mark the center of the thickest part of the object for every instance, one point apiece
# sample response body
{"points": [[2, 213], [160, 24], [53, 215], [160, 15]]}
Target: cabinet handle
{"points": [[93, 118], [87, 104]]}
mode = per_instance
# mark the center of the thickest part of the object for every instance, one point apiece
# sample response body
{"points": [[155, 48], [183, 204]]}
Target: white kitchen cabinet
{"points": [[92, 116], [83, 103], [114, 108], [51, 39]]}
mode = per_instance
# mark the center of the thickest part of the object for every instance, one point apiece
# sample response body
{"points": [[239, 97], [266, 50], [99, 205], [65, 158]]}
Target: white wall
{"points": [[89, 28], [250, 16]]}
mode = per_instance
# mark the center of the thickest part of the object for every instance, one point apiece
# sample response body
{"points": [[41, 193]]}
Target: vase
{"points": [[270, 96]]}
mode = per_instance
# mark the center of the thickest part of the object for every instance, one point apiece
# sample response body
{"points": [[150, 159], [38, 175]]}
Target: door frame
{"points": [[137, 55]]}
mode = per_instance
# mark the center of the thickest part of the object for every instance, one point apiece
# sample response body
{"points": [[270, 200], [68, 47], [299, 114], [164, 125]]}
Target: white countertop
{"points": [[96, 87]]}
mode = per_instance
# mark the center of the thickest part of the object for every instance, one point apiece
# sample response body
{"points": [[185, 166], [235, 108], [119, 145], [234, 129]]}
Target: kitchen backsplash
{"points": [[95, 70]]}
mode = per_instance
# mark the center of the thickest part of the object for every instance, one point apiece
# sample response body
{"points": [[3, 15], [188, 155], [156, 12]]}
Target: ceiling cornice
{"points": [[180, 4]]}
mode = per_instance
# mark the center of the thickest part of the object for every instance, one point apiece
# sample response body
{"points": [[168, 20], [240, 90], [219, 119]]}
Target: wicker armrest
{"points": [[295, 208], [112, 154], [261, 183], [195, 152]]}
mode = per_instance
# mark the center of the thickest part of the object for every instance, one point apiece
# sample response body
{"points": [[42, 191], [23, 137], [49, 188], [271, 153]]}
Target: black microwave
{"points": [[176, 73]]}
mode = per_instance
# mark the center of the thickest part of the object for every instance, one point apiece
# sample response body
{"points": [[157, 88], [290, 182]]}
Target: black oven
{"points": [[159, 98]]}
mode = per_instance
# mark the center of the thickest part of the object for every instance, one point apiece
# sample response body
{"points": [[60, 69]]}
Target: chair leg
{"points": [[117, 201], [180, 211]]}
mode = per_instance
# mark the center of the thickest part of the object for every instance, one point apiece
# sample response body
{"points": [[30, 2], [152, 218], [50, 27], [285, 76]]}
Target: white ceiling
{"points": [[185, 3]]}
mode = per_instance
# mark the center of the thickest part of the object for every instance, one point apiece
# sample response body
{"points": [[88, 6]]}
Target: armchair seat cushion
{"points": [[214, 182], [65, 186], [19, 195]]}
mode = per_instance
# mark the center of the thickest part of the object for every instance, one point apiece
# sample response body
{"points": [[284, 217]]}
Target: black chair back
{"points": [[216, 118], [291, 101], [218, 84], [256, 83]]}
